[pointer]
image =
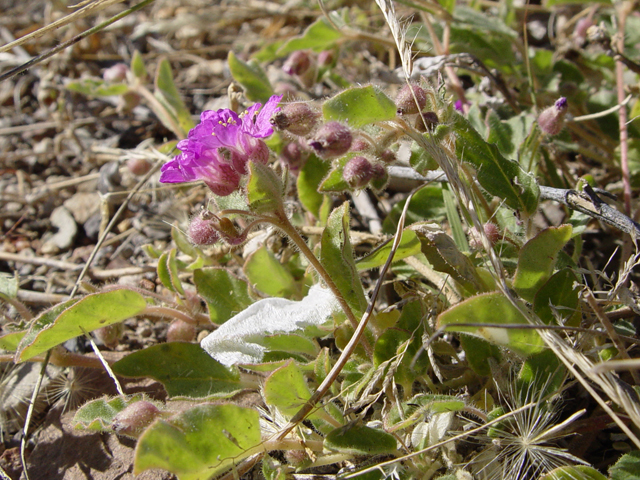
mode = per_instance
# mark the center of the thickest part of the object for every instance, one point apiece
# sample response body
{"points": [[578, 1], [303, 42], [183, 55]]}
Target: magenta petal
{"points": [[172, 173]]}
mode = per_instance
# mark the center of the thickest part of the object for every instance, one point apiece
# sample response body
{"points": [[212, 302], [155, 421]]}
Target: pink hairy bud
{"points": [[135, 418], [551, 120], [180, 331], [406, 102], [332, 140], [297, 63], [296, 118], [202, 232], [358, 172]]}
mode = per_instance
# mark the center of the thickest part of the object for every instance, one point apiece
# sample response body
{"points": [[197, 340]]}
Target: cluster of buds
{"points": [[330, 141], [207, 229]]}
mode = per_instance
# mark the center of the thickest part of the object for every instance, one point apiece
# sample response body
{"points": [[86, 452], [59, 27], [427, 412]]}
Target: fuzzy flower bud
{"points": [[135, 418], [296, 118], [294, 156], [139, 166], [332, 140], [202, 232], [406, 102], [297, 63], [326, 58], [551, 120], [116, 73], [359, 145], [427, 121], [387, 156], [491, 230], [180, 331], [358, 172]]}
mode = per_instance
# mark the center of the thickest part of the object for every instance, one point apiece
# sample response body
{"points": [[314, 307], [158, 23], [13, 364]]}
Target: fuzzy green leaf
{"points": [[184, 369], [499, 176], [627, 468], [357, 439], [337, 258], [252, 78], [577, 472], [489, 311], [311, 174], [320, 35], [359, 106], [264, 189], [537, 258], [201, 442], [409, 245], [225, 294], [170, 98], [287, 389], [559, 297], [90, 313], [268, 275], [98, 415]]}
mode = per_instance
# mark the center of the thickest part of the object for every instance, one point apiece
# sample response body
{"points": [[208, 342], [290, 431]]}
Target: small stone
{"points": [[83, 205], [62, 240]]}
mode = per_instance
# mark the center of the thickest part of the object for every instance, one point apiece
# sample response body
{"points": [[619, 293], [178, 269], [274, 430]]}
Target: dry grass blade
{"points": [[93, 7]]}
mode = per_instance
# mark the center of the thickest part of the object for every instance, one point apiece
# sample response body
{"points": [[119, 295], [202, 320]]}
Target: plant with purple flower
{"points": [[218, 148]]}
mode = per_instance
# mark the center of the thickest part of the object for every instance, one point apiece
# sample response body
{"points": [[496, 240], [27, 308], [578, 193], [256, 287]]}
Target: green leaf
{"points": [[627, 468], [542, 372], [290, 344], [98, 88], [497, 175], [252, 78], [168, 95], [335, 182], [444, 256], [309, 178], [455, 223], [184, 369], [268, 275], [337, 258], [98, 415], [9, 284], [559, 297], [286, 389], [10, 341], [417, 407], [537, 259], [577, 472], [201, 442], [168, 272], [551, 3], [355, 439], [320, 35], [225, 294], [264, 189], [426, 204], [90, 313], [500, 133], [478, 352], [359, 106], [137, 66], [489, 311], [409, 245]]}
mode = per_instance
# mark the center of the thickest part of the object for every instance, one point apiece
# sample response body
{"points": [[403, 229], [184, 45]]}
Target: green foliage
{"points": [[627, 468], [184, 369], [320, 35], [309, 179], [224, 293], [537, 259], [170, 98], [337, 258], [97, 415], [359, 106], [251, 76], [268, 275], [73, 318], [357, 439], [200, 442]]}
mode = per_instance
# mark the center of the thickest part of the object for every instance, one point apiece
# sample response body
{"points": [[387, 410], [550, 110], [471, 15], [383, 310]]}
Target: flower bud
{"points": [[180, 331], [427, 121], [202, 232], [230, 234], [110, 335], [326, 58], [406, 102], [358, 172], [294, 156], [139, 166], [359, 145], [296, 118], [135, 418], [387, 156], [491, 230], [332, 140], [116, 73], [580, 30], [551, 120], [297, 63]]}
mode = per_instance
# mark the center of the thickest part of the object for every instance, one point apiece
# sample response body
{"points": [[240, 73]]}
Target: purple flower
{"points": [[218, 148]]}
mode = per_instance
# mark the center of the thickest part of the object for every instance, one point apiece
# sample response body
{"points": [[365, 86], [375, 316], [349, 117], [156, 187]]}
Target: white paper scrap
{"points": [[239, 339]]}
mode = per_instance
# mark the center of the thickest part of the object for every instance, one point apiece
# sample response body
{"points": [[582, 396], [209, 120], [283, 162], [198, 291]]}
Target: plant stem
{"points": [[282, 222]]}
